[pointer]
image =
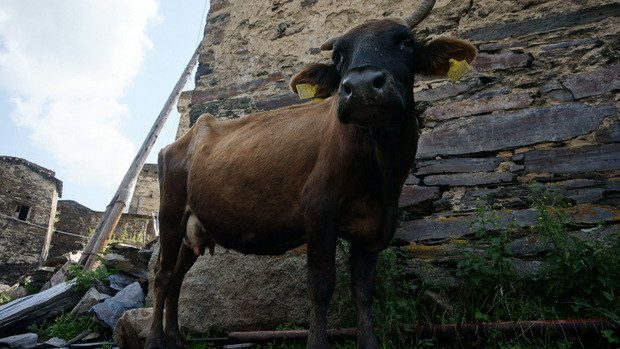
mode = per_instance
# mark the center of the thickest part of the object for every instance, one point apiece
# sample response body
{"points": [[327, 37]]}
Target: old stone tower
{"points": [[28, 197]]}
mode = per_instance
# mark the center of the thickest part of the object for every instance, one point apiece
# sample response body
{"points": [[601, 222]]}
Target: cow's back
{"points": [[246, 176]]}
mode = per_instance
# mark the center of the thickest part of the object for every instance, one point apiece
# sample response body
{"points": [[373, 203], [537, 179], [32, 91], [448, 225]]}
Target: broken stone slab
{"points": [[594, 158], [594, 83], [108, 312], [469, 179], [20, 341], [17, 315], [89, 300], [478, 106], [510, 130], [515, 29], [441, 228], [121, 280], [130, 266], [610, 133], [456, 165], [54, 343], [441, 92], [418, 199], [499, 61]]}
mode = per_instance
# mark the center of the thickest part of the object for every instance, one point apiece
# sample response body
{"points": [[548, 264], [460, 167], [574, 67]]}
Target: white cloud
{"points": [[67, 64]]}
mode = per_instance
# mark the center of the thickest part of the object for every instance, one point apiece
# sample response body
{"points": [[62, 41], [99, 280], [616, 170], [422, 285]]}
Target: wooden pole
{"points": [[110, 218]]}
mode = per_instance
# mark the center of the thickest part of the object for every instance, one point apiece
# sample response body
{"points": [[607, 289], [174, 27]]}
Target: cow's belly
{"points": [[248, 218]]}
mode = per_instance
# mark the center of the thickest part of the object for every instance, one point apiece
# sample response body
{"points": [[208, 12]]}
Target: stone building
{"points": [[541, 104], [28, 197], [145, 199], [35, 225], [76, 223]]}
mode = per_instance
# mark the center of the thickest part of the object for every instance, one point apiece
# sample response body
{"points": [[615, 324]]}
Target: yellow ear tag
{"points": [[457, 69], [306, 91]]}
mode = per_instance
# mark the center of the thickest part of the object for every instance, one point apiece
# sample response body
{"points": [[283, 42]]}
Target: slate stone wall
{"points": [[28, 196], [541, 104]]}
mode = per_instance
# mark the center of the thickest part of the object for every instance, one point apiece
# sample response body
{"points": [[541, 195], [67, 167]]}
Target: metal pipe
{"points": [[441, 332]]}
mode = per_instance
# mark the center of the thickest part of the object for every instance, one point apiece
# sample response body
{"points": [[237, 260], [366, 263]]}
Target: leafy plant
{"points": [[4, 298], [83, 278], [66, 326]]}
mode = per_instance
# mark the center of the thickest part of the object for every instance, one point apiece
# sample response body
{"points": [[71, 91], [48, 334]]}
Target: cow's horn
{"points": [[329, 43], [420, 13], [412, 20]]}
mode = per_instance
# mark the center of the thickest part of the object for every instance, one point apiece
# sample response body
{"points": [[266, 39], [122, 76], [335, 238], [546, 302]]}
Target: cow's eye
{"points": [[406, 43], [336, 57]]}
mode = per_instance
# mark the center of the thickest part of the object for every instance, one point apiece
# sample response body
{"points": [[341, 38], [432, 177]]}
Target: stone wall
{"points": [[28, 197], [76, 223], [145, 199], [541, 104]]}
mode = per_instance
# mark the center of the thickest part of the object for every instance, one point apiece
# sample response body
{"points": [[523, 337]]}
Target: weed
{"points": [[66, 326], [83, 278], [32, 289], [4, 298]]}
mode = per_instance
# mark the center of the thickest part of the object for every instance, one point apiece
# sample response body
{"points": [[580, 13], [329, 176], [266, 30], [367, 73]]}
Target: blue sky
{"points": [[82, 81]]}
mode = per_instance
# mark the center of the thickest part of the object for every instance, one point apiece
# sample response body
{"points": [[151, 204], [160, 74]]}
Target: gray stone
{"points": [[119, 281], [230, 291], [604, 157], [20, 341], [132, 266], [479, 106], [112, 309], [505, 60], [510, 130], [595, 83], [89, 300], [610, 133], [469, 179], [54, 343], [132, 329], [456, 165], [553, 21], [441, 92], [418, 199]]}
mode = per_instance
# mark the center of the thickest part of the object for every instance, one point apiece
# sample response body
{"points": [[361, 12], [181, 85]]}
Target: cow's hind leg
{"points": [[363, 265], [174, 337]]}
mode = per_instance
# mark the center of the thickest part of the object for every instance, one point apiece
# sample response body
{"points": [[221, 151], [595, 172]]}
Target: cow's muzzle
{"points": [[367, 97]]}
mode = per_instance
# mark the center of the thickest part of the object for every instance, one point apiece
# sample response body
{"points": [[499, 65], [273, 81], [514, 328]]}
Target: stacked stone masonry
{"points": [[541, 104], [28, 196]]}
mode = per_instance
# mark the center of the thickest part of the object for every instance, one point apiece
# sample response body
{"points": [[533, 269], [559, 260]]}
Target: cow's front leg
{"points": [[175, 338], [321, 283], [363, 265]]}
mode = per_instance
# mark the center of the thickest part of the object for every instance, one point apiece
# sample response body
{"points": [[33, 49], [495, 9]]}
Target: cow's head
{"points": [[373, 65]]}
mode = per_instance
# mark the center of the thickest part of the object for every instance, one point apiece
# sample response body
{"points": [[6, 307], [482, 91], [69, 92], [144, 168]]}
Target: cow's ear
{"points": [[435, 57], [324, 76]]}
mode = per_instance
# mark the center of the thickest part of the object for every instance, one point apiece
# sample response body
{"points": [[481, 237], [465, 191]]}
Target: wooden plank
{"points": [[113, 212]]}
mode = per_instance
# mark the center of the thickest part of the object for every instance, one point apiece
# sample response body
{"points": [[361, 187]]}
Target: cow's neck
{"points": [[391, 150]]}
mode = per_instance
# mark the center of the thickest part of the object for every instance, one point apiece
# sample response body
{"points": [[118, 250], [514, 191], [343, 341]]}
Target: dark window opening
{"points": [[21, 212]]}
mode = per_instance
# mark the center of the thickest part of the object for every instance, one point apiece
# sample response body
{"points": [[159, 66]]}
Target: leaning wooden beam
{"points": [[119, 201]]}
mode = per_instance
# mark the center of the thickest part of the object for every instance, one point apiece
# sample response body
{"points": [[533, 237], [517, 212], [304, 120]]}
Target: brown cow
{"points": [[272, 181]]}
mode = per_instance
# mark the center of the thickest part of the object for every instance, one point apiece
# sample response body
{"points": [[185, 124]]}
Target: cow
{"points": [[306, 174]]}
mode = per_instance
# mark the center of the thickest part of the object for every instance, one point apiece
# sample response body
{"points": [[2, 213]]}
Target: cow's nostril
{"points": [[346, 89], [379, 82]]}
